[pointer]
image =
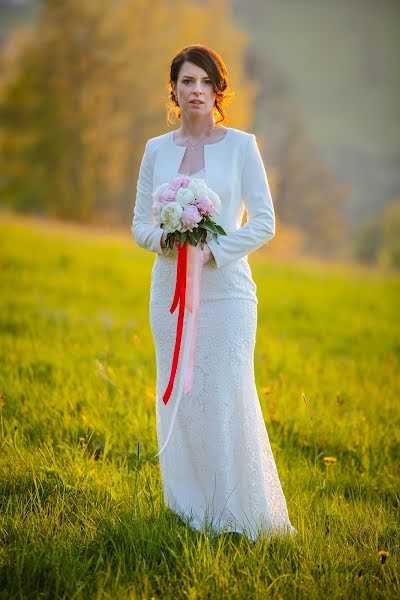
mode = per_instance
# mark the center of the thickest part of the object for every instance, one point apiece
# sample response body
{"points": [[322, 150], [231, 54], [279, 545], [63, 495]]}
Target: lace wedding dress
{"points": [[218, 471]]}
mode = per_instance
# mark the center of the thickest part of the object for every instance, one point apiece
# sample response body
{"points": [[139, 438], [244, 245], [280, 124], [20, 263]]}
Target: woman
{"points": [[218, 469]]}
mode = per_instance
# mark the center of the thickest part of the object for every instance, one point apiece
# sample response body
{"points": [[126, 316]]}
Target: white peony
{"points": [[184, 196], [170, 216], [215, 199], [198, 187]]}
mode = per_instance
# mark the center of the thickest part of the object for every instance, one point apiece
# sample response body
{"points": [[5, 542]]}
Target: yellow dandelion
{"points": [[329, 460], [267, 389]]}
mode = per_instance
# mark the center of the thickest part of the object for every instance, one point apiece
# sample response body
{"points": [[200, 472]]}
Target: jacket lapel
{"points": [[216, 169], [168, 159]]}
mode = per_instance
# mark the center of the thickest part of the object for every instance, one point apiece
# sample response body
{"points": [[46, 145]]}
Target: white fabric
{"points": [[188, 342], [218, 471], [235, 170], [201, 173]]}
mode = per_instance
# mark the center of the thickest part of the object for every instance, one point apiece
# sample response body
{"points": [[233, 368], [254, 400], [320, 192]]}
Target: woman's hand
{"points": [[163, 242], [207, 255]]}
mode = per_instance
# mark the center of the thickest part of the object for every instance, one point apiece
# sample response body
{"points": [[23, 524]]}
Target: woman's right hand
{"points": [[163, 242], [207, 255]]}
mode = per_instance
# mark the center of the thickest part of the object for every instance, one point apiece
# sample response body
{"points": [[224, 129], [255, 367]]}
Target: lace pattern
{"points": [[201, 173], [218, 469]]}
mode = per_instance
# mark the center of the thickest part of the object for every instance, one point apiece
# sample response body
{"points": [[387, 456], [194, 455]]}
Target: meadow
{"points": [[81, 505]]}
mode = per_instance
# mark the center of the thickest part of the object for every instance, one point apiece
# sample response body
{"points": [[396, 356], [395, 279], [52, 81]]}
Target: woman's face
{"points": [[194, 90]]}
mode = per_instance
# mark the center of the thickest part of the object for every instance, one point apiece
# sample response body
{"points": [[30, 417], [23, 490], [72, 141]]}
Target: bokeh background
{"points": [[84, 84]]}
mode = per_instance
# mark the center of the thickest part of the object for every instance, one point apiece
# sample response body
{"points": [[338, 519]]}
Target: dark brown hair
{"points": [[213, 65]]}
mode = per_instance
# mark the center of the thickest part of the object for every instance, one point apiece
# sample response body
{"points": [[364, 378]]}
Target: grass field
{"points": [[82, 512]]}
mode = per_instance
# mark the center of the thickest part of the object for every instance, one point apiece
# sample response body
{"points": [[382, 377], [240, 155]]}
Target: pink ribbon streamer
{"points": [[192, 303], [193, 283]]}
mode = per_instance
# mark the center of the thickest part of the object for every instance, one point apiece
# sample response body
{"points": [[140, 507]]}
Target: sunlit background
{"points": [[84, 84]]}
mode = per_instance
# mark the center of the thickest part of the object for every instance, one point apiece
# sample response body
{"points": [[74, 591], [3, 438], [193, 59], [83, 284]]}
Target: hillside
{"points": [[340, 63]]}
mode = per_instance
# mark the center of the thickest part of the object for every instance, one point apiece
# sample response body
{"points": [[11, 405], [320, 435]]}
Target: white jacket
{"points": [[235, 170]]}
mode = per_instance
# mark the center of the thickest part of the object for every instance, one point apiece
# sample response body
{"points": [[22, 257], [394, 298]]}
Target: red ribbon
{"points": [[179, 298]]}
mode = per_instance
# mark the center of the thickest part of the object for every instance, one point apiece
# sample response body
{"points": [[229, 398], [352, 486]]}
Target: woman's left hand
{"points": [[207, 255]]}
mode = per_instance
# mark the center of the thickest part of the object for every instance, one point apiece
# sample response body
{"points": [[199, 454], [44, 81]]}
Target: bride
{"points": [[218, 471]]}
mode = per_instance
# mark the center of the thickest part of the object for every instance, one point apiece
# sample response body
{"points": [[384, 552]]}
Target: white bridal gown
{"points": [[218, 471]]}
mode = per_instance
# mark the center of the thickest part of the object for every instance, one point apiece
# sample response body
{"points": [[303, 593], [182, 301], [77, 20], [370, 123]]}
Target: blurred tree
{"points": [[368, 241], [378, 240], [308, 196], [90, 89], [389, 253]]}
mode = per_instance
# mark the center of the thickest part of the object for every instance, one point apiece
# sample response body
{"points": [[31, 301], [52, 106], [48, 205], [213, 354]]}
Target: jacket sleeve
{"points": [[260, 225], [144, 230]]}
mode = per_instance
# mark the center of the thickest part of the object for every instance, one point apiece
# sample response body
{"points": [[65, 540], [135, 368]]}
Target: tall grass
{"points": [[82, 513]]}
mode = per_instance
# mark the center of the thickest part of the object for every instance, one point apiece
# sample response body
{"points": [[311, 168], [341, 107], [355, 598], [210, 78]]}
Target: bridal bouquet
{"points": [[184, 207]]}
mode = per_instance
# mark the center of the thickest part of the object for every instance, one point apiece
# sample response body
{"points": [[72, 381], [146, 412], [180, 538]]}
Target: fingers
{"points": [[206, 255]]}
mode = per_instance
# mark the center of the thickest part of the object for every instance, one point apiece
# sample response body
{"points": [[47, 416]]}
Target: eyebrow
{"points": [[190, 77]]}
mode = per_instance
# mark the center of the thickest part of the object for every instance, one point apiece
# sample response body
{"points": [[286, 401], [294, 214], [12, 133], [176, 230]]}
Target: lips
{"points": [[196, 102]]}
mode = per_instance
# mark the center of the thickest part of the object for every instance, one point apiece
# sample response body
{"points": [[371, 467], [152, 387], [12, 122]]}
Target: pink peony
{"points": [[190, 217], [178, 182], [204, 204], [168, 195]]}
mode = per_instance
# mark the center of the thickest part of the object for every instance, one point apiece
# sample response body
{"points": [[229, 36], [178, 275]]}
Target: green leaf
{"points": [[192, 238], [221, 230], [183, 237], [211, 228]]}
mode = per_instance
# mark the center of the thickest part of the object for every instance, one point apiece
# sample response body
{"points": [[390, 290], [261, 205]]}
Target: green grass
{"points": [[81, 507]]}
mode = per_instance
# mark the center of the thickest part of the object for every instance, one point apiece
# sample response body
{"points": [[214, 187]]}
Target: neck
{"points": [[197, 128]]}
